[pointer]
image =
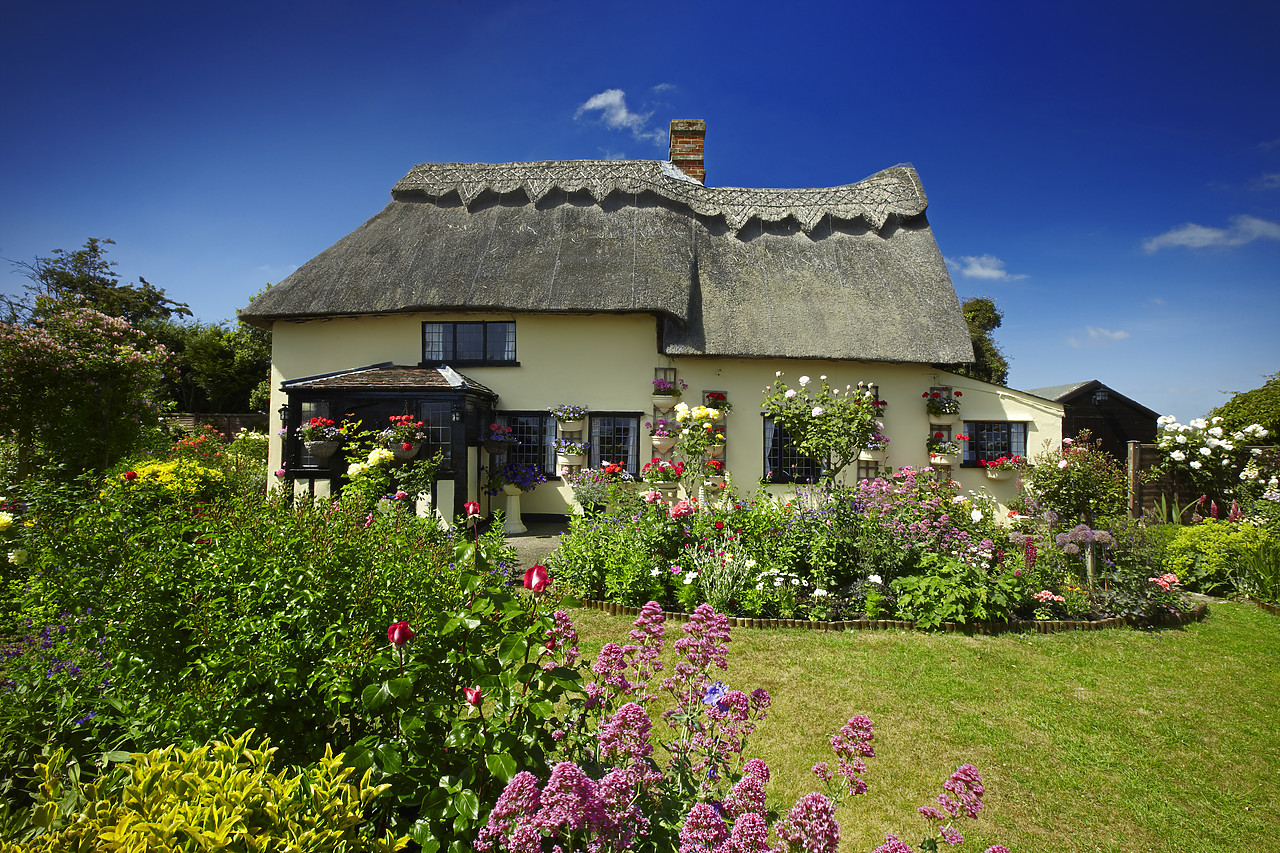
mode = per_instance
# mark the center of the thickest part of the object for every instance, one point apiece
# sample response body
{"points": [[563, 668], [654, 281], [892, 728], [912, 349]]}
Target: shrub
{"points": [[1208, 556], [220, 796], [179, 482], [1079, 481]]}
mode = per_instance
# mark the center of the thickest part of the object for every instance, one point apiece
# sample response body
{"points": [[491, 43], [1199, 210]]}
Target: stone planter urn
{"points": [[663, 402], [321, 449], [663, 442]]}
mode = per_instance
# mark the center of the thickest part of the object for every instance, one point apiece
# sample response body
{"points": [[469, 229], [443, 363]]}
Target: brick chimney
{"points": [[687, 135]]}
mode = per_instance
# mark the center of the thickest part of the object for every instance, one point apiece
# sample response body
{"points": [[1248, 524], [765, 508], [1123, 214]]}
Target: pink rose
{"points": [[681, 510], [471, 508], [474, 695]]}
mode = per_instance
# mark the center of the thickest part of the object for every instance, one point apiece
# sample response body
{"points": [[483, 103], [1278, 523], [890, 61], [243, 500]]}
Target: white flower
{"points": [[804, 380], [1195, 463], [874, 579], [1216, 432], [1216, 419], [819, 593], [656, 571], [976, 515], [1178, 456], [1062, 463], [1204, 451], [791, 392], [823, 378], [958, 499], [1165, 419], [778, 373], [1182, 439], [18, 556], [817, 411]]}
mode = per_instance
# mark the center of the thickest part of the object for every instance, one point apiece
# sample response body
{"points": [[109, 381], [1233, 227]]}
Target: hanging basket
{"points": [[663, 442], [663, 402], [321, 449], [495, 448], [403, 455]]}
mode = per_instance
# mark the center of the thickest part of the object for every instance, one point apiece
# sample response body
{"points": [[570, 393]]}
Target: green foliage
{"points": [[1260, 575], [1260, 406], [989, 363], [1079, 481], [952, 591], [76, 388], [448, 753], [1208, 556], [220, 796], [824, 423], [217, 368]]}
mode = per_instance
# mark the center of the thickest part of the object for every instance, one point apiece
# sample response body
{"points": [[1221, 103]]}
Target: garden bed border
{"points": [[1171, 620]]}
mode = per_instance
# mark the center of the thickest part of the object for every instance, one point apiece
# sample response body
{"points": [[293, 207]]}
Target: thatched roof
{"points": [[849, 272]]}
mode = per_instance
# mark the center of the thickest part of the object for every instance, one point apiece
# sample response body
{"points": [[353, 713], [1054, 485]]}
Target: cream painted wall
{"points": [[606, 362]]}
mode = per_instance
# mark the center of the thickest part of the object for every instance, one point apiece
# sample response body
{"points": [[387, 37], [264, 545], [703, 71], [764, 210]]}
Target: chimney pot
{"points": [[686, 147]]}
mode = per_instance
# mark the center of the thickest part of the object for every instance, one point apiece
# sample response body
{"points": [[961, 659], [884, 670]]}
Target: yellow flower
{"points": [[6, 521]]}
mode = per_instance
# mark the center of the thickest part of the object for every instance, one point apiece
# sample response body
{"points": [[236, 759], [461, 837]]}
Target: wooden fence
{"points": [[1146, 488], [228, 424]]}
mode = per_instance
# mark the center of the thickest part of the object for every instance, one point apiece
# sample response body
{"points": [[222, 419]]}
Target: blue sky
{"points": [[1108, 172]]}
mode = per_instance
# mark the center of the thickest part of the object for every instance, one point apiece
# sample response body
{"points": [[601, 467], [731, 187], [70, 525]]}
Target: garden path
{"points": [[535, 545]]}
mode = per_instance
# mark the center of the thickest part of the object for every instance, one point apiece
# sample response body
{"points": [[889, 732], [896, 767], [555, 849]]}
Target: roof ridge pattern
{"points": [[896, 190]]}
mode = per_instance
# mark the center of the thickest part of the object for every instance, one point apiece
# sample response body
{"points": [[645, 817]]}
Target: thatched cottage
{"points": [[486, 293]]}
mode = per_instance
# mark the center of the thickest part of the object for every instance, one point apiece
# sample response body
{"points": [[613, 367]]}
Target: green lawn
{"points": [[1114, 740]]}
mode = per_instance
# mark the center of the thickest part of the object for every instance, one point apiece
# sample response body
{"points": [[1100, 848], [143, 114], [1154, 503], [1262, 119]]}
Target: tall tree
{"points": [[989, 363], [87, 276], [1260, 406]]}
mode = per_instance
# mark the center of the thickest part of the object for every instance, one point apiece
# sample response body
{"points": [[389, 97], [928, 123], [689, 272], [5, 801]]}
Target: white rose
{"points": [[791, 392], [804, 380], [1195, 463], [817, 411]]}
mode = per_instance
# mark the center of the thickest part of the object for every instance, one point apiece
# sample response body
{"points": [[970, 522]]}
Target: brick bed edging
{"points": [[1197, 614], [1273, 609]]}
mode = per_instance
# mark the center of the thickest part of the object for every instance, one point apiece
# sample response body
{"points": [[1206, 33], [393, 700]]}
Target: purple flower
{"points": [[810, 826], [703, 830]]}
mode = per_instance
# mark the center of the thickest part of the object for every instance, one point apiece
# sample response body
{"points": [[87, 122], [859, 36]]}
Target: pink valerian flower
{"points": [[851, 746], [647, 635], [757, 768], [967, 786], [517, 804], [570, 802], [611, 667], [893, 845], [746, 797], [810, 826], [750, 834], [624, 736], [625, 819], [703, 831]]}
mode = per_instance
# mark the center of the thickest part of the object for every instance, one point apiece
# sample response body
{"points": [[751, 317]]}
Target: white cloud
{"points": [[1269, 181], [664, 87], [987, 267], [612, 106], [1244, 229], [1096, 336]]}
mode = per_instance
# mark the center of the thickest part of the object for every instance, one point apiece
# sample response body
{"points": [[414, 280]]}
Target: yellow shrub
{"points": [[179, 481], [221, 796]]}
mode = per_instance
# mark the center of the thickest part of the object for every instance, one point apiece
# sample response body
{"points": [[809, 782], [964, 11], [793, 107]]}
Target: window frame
{"points": [[594, 453], [975, 451], [449, 343], [546, 439], [771, 429]]}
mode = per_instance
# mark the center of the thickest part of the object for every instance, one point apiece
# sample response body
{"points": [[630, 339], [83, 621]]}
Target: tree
{"points": [[989, 363], [217, 369], [1260, 406], [825, 423], [77, 387], [87, 275]]}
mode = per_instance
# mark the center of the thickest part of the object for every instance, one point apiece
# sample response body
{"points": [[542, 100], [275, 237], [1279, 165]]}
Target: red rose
{"points": [[131, 475], [925, 395], [471, 508], [474, 695], [536, 578], [399, 633]]}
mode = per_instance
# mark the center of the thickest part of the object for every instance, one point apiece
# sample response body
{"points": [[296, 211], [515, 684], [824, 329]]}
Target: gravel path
{"points": [[537, 544]]}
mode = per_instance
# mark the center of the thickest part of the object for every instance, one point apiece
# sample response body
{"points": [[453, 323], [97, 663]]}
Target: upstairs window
{"points": [[469, 343]]}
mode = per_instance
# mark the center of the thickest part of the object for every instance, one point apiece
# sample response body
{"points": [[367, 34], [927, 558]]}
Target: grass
{"points": [[1114, 740]]}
